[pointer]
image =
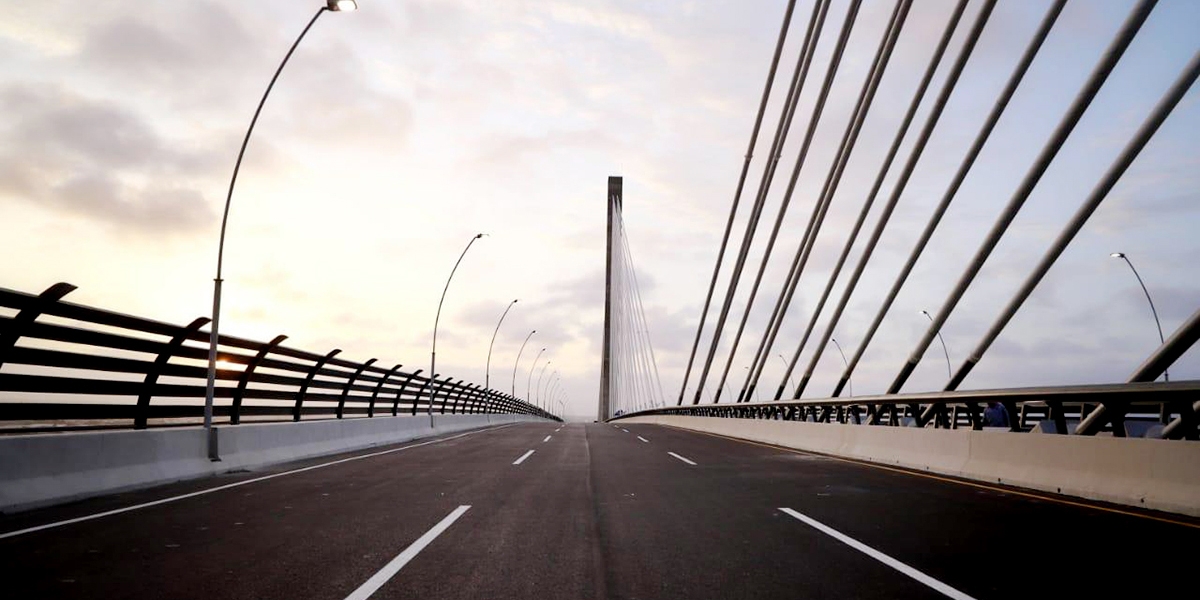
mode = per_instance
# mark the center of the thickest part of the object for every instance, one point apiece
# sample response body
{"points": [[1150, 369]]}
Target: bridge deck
{"points": [[596, 511]]}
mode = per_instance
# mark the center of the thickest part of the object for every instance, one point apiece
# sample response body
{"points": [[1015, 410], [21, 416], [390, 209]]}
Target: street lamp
{"points": [[213, 334], [1121, 255], [544, 394], [529, 379], [438, 317], [538, 389], [944, 350], [850, 386], [790, 380], [513, 391], [487, 378]]}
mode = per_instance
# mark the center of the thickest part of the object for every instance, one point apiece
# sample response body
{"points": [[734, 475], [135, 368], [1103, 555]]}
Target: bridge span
{"points": [[616, 510]]}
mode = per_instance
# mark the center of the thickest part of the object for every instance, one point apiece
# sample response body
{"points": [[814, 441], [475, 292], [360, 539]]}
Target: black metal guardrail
{"points": [[1147, 409], [102, 356]]}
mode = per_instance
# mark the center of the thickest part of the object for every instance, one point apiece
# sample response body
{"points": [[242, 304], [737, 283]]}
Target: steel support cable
{"points": [[638, 394], [803, 62], [803, 252], [631, 343], [643, 328], [768, 177], [785, 203], [883, 53], [965, 166], [636, 373], [918, 148], [1129, 153], [737, 195], [849, 137], [1080, 104]]}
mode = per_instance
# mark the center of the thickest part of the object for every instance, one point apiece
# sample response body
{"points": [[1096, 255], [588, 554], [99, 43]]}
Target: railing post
{"points": [[421, 392], [22, 320], [303, 391], [454, 388], [172, 348], [466, 392], [235, 407], [379, 386], [349, 383], [400, 393]]}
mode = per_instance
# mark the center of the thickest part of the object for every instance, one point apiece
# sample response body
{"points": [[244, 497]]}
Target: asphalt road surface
{"points": [[590, 511]]}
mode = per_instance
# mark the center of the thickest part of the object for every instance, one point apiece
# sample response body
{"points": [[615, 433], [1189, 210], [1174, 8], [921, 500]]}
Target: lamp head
{"points": [[926, 313], [479, 235], [342, 5], [1117, 255], [514, 301]]}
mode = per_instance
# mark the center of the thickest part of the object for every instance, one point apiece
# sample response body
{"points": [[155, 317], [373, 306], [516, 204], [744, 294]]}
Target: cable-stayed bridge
{"points": [[329, 476]]}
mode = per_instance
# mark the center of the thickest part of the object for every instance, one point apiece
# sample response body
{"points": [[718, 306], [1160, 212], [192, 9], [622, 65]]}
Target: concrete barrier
{"points": [[42, 469], [1148, 473]]}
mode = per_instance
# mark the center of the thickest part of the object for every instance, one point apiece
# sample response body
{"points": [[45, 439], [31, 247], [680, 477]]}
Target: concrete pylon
{"points": [[614, 208]]}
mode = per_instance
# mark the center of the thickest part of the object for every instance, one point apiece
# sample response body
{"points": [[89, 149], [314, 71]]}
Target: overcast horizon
{"points": [[398, 132]]}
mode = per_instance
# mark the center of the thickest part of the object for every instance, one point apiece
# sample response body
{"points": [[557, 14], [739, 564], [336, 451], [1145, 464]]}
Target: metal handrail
{"points": [[1057, 405], [91, 356]]}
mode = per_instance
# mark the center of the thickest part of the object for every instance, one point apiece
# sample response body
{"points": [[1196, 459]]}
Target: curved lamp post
{"points": [[529, 379], [790, 380], [438, 317], [537, 389], [850, 386], [544, 394], [513, 391], [213, 334], [1121, 255], [487, 378], [944, 350]]}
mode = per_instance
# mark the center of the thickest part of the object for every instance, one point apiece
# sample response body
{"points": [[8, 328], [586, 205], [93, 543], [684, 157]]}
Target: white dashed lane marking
{"points": [[682, 458]]}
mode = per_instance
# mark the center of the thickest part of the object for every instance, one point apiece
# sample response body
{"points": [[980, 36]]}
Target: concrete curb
{"points": [[43, 469], [1147, 473]]}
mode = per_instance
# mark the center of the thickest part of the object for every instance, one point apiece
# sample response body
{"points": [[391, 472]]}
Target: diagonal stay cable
{"points": [[737, 195], [931, 121], [1139, 140], [803, 252], [644, 329], [865, 98], [800, 75], [965, 166], [1097, 78], [814, 121]]}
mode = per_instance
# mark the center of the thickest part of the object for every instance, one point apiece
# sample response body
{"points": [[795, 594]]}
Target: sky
{"points": [[399, 131]]}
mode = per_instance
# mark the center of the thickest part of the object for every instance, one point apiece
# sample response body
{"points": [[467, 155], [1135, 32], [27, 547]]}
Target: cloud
{"points": [[96, 160]]}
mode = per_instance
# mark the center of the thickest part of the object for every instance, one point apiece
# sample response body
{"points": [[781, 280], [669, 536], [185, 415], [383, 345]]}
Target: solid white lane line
{"points": [[546, 440], [523, 457], [389, 570], [881, 557], [233, 485], [682, 458], [643, 439]]}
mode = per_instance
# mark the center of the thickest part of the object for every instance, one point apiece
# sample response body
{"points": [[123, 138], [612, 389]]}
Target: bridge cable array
{"points": [[634, 383], [916, 144]]}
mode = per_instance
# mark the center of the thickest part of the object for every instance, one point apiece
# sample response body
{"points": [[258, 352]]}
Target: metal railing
{"points": [[63, 362], [1145, 409]]}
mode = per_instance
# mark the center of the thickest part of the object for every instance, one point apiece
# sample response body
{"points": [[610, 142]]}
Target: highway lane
{"points": [[594, 511]]}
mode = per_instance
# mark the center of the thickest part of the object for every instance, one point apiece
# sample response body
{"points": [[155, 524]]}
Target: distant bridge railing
{"points": [[1149, 409], [63, 363]]}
